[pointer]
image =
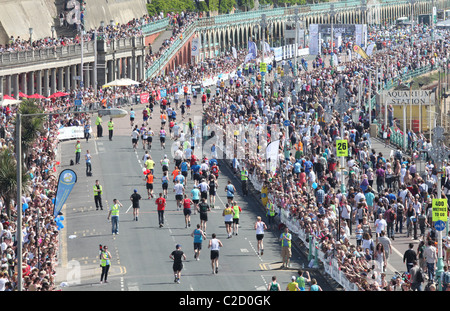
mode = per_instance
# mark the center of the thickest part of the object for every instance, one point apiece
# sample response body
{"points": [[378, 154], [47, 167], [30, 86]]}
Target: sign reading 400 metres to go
{"points": [[439, 209]]}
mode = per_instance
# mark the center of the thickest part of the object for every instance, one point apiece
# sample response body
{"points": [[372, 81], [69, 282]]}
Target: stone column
{"points": [[60, 75], [45, 91], [67, 78], [2, 89], [15, 84], [38, 75], [23, 83], [73, 72], [31, 83], [8, 85]]}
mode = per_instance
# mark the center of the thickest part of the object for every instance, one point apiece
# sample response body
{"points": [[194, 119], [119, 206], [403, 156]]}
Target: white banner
{"points": [[195, 46], [71, 132], [369, 50], [272, 155], [314, 39]]}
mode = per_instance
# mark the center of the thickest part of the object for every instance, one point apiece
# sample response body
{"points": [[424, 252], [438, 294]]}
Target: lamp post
{"points": [[263, 23], [342, 106], [439, 153], [30, 31], [412, 2], [296, 20], [53, 32], [287, 81], [332, 15]]}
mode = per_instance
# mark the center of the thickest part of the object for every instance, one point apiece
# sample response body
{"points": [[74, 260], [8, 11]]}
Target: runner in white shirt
{"points": [[215, 245], [179, 193], [260, 226]]}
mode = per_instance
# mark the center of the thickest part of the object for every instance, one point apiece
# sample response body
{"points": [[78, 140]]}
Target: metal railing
{"points": [[153, 27], [163, 59], [65, 52]]}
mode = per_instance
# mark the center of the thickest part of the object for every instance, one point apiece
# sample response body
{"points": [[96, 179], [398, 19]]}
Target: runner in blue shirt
{"points": [[195, 169], [198, 236], [195, 193]]}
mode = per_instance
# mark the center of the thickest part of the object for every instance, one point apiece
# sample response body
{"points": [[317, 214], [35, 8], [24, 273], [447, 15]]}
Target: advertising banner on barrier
{"points": [[71, 132], [144, 98]]}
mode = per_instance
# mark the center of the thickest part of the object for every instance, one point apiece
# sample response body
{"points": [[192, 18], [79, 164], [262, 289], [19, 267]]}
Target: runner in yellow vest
{"points": [[270, 207], [98, 191], [293, 286], [237, 209], [110, 128], [98, 122], [114, 215], [77, 152], [105, 263], [244, 178]]}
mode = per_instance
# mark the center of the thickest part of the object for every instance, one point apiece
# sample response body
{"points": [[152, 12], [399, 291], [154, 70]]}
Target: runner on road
{"points": [[237, 209], [203, 209], [149, 184], [165, 183], [179, 192], [230, 190], [162, 138], [260, 226], [187, 203], [213, 185], [228, 214], [214, 245], [135, 198], [161, 206], [177, 256], [198, 236]]}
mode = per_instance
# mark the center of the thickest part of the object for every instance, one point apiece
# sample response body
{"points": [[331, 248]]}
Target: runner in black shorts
{"points": [[177, 256], [203, 209]]}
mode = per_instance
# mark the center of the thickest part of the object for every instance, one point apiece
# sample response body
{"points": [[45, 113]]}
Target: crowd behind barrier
{"points": [[307, 185], [293, 187], [107, 31]]}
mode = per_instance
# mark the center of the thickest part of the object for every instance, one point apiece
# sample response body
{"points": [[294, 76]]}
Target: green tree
{"points": [[32, 126], [8, 178]]}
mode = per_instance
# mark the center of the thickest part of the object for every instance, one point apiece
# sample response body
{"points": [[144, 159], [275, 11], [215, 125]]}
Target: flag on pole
{"points": [[233, 49], [360, 51], [66, 181], [252, 49]]}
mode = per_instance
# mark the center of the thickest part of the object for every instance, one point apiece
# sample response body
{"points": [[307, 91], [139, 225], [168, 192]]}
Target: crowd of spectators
{"points": [[307, 183], [307, 186], [108, 31], [179, 23]]}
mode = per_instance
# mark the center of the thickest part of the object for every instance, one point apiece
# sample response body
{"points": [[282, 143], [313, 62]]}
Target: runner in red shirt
{"points": [[187, 210], [161, 206]]}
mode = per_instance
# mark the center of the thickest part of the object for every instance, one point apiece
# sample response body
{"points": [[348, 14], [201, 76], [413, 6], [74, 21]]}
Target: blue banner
{"points": [[67, 180], [163, 92]]}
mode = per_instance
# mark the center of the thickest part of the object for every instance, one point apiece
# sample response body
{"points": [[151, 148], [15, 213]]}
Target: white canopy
{"points": [[121, 82]]}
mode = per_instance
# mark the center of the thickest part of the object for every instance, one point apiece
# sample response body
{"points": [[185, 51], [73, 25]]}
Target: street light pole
{"points": [[439, 153], [19, 199], [296, 19], [332, 13], [342, 107]]}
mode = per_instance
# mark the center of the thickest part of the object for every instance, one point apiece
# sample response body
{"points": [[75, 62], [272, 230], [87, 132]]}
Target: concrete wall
{"points": [[17, 16], [121, 11]]}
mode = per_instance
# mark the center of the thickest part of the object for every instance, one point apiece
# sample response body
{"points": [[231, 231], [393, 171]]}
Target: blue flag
{"points": [[67, 180], [252, 49]]}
